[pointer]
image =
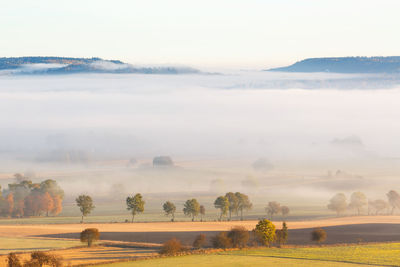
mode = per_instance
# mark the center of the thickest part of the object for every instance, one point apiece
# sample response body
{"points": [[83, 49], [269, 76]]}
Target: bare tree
{"points": [[285, 211], [273, 208], [357, 201], [338, 203], [394, 199]]}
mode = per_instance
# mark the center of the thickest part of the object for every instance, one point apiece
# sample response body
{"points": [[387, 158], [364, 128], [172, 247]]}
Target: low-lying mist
{"points": [[272, 135]]}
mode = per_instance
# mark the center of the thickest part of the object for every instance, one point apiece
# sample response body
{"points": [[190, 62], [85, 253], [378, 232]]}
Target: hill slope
{"points": [[65, 65], [345, 65]]}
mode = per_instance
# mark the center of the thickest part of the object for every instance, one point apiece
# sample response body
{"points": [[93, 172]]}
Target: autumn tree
{"points": [[202, 212], [338, 203], [221, 240], [169, 209], [282, 234], [393, 199], [191, 208], [318, 235], [243, 203], [265, 232], [357, 201], [89, 235], [135, 204], [272, 208], [239, 236], [13, 260], [200, 241], [85, 204], [222, 203], [233, 203]]}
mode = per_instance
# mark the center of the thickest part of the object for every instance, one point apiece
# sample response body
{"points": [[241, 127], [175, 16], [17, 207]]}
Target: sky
{"points": [[223, 33]]}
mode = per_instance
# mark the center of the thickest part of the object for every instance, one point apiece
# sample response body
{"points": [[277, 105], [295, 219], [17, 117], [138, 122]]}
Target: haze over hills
{"points": [[345, 65], [66, 65]]}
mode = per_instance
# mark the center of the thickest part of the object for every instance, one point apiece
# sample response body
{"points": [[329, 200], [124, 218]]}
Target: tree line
{"points": [[228, 204], [358, 202], [25, 198]]}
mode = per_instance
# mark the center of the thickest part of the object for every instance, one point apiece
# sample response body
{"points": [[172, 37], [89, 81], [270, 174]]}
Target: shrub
{"points": [[221, 240], [171, 247], [318, 235], [89, 235], [199, 241], [13, 260], [282, 234], [239, 236], [39, 258]]}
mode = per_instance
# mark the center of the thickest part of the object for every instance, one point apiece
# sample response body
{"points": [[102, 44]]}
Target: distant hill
{"points": [[345, 65], [65, 65]]}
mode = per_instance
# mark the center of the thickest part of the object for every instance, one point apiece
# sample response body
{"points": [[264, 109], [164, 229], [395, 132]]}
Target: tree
{"points": [[199, 241], [13, 260], [47, 203], [10, 203], [40, 258], [135, 204], [202, 212], [394, 200], [265, 231], [57, 208], [338, 203], [357, 201], [221, 240], [233, 203], [222, 203], [272, 208], [191, 208], [285, 211], [378, 205], [239, 236], [243, 203], [171, 247], [318, 235], [85, 204], [282, 234], [169, 209], [89, 235]]}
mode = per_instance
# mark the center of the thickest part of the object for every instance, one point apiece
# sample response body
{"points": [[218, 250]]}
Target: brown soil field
{"points": [[48, 229]]}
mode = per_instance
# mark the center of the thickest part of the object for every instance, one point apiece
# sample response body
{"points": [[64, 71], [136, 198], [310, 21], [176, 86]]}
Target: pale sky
{"points": [[218, 33]]}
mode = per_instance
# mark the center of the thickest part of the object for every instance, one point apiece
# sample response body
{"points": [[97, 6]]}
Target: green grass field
{"points": [[8, 245], [227, 260], [375, 254]]}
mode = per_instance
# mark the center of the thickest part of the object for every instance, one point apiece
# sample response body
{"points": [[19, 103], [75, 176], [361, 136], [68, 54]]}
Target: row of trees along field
{"points": [[358, 202], [25, 198], [232, 203]]}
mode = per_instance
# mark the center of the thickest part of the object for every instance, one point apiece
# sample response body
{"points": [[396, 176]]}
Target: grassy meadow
{"points": [[9, 244], [372, 254]]}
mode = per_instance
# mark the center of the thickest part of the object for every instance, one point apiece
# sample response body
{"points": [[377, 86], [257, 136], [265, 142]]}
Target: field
{"points": [[375, 254]]}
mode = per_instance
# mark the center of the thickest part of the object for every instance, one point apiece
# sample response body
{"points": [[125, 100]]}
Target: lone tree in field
{"points": [[202, 212], [338, 203], [85, 204], [273, 208], [191, 208], [282, 235], [265, 232], [285, 211], [222, 203], [89, 236], [233, 203], [169, 209], [135, 204], [243, 203], [239, 236], [318, 235], [357, 201], [393, 199]]}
